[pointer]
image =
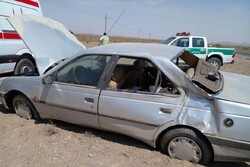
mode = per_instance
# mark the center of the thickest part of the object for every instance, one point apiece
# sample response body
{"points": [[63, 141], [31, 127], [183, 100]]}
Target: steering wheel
{"points": [[82, 75]]}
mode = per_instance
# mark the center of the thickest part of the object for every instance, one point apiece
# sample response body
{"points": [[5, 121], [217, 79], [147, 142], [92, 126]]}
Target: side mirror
{"points": [[47, 80]]}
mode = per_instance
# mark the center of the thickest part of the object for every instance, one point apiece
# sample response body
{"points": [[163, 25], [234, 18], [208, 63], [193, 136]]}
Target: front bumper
{"points": [[229, 149]]}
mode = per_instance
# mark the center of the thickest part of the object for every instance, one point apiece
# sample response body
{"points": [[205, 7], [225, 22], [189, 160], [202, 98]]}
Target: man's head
{"points": [[105, 33]]}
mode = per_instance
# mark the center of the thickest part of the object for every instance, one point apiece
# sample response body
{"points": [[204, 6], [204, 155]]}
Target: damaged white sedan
{"points": [[189, 110]]}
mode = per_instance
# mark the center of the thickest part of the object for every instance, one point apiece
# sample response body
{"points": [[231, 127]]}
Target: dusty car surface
{"points": [[159, 94]]}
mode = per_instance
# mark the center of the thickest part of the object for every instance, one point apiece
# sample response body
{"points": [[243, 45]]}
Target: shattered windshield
{"points": [[167, 41], [202, 73]]}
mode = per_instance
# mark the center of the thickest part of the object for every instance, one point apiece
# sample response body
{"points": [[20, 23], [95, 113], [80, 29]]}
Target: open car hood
{"points": [[48, 40]]}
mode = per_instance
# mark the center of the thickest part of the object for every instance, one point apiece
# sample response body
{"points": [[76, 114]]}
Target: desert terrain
{"points": [[30, 143]]}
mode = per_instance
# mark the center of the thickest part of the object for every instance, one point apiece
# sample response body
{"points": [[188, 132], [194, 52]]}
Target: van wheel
{"points": [[186, 144], [215, 62], [24, 66]]}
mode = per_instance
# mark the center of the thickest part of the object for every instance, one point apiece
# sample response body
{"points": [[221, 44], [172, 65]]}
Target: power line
{"points": [[138, 31], [117, 20]]}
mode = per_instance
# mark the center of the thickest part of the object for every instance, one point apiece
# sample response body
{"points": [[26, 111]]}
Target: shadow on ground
{"points": [[125, 140], [4, 110], [109, 136]]}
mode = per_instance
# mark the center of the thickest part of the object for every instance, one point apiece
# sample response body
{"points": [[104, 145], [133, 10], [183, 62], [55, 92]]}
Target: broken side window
{"points": [[141, 76], [202, 73]]}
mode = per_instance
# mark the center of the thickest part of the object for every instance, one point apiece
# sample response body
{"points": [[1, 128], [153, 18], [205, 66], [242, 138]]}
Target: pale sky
{"points": [[218, 20]]}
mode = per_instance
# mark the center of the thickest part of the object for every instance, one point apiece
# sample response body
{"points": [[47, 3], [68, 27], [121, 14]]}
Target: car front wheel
{"points": [[186, 144], [24, 108]]}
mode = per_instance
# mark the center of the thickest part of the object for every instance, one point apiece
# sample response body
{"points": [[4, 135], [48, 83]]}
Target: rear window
{"points": [[198, 42]]}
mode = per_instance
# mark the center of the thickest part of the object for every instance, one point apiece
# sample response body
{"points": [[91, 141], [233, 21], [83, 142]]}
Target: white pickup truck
{"points": [[198, 46]]}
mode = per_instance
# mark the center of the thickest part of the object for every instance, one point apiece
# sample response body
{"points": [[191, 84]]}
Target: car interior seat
{"points": [[190, 72], [134, 75], [117, 77]]}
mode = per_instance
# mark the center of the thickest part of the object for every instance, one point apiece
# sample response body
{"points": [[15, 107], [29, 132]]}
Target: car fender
{"points": [[159, 131], [216, 54], [199, 113]]}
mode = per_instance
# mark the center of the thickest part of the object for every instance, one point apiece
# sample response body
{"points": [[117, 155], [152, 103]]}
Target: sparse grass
{"points": [[238, 48], [51, 128], [114, 39]]}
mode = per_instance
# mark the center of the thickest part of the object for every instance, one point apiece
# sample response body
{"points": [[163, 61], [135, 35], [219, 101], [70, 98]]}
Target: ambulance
{"points": [[15, 57]]}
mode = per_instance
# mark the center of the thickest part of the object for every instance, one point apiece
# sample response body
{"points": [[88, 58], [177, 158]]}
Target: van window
{"points": [[9, 9], [6, 26]]}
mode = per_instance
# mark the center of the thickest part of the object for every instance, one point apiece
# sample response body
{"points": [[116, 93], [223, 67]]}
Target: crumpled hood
{"points": [[236, 88], [48, 40]]}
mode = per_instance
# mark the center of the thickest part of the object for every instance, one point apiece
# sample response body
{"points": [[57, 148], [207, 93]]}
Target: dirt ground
{"points": [[28, 143]]}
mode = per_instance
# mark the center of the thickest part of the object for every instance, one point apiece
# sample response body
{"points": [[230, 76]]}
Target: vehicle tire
{"points": [[186, 144], [215, 62], [24, 66], [24, 108]]}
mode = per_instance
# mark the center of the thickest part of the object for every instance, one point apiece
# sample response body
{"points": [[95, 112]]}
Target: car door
{"points": [[73, 96], [139, 110], [198, 47]]}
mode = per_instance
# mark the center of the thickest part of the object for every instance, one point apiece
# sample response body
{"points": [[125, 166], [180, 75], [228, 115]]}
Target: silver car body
{"points": [[221, 118]]}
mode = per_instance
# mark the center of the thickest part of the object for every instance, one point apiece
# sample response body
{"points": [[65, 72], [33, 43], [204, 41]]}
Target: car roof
{"points": [[139, 49]]}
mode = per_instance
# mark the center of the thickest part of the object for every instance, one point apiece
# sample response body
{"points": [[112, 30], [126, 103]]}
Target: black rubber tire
{"points": [[215, 62], [24, 63], [22, 99], [207, 154]]}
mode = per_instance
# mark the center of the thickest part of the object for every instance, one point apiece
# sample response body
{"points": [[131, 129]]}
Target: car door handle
{"points": [[89, 100], [166, 110]]}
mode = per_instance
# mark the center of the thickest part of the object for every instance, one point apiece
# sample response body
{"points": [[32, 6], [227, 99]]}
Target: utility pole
{"points": [[106, 18], [139, 32]]}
